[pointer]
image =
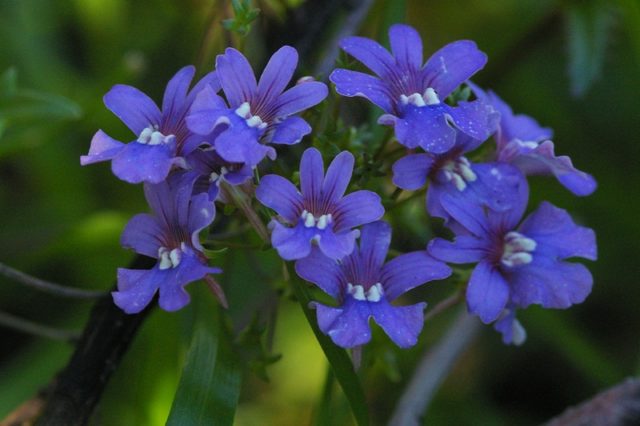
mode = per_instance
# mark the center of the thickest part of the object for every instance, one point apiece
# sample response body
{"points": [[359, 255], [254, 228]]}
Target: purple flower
{"points": [[365, 286], [494, 185], [320, 213], [518, 265], [211, 170], [257, 113], [162, 137], [412, 94], [170, 235], [512, 331], [523, 142]]}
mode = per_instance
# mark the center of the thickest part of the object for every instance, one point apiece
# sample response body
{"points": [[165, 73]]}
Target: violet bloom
{"points": [[494, 185], [412, 94], [518, 265], [212, 170], [162, 137], [321, 213], [513, 333], [170, 235], [257, 113], [523, 142], [365, 286]]}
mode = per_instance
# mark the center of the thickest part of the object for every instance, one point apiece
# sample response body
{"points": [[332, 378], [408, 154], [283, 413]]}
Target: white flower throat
{"points": [[430, 97], [517, 249], [244, 111], [152, 136], [374, 294]]}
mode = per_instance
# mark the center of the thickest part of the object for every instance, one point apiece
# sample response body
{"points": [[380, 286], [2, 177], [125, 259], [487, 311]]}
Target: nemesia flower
{"points": [[257, 113], [494, 185], [518, 265], [412, 94], [364, 286], [212, 169], [170, 235], [320, 213], [162, 136], [522, 142]]}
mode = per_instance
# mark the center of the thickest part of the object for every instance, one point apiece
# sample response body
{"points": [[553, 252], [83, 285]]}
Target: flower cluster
{"points": [[184, 153], [191, 154]]}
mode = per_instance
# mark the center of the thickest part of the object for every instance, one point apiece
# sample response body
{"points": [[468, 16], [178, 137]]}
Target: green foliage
{"points": [[244, 15]]}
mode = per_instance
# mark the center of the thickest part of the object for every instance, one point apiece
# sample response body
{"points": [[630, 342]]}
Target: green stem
{"points": [[243, 202]]}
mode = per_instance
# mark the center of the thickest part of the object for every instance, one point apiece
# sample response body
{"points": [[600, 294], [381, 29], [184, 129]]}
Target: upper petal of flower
{"points": [[370, 53], [410, 172], [236, 77], [375, 238], [452, 65], [311, 174], [322, 271], [358, 208], [277, 74], [174, 103], [279, 194], [338, 176], [464, 249], [410, 270], [133, 107], [143, 234], [406, 46], [353, 83], [300, 97]]}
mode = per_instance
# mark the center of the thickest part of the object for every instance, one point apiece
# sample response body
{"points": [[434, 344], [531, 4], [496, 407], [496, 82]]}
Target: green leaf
{"points": [[8, 82], [210, 384], [338, 359], [589, 24]]}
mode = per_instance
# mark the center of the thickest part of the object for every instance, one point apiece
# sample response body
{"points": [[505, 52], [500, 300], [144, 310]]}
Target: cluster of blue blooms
{"points": [[200, 140]]}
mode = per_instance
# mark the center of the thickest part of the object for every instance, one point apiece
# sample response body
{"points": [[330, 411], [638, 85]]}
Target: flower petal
{"points": [[300, 97], [311, 174], [202, 211], [550, 283], [103, 148], [476, 119], [353, 83], [358, 208], [207, 112], [410, 172], [402, 324], [290, 131], [236, 77], [375, 238], [464, 249], [487, 293], [336, 245], [143, 234], [347, 326], [239, 144], [452, 65], [136, 288], [470, 215], [138, 162], [410, 270], [280, 195], [406, 46], [510, 328], [322, 271], [370, 53], [427, 127], [133, 107], [557, 234], [292, 243], [338, 177], [277, 74], [175, 97], [497, 185]]}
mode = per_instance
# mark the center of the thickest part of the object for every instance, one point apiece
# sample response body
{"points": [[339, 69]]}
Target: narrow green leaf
{"points": [[210, 384], [8, 82], [589, 24], [323, 414], [338, 359]]}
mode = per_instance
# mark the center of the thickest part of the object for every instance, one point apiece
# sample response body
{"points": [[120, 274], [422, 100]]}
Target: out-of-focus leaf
{"points": [[8, 83], [25, 104], [210, 384], [244, 16], [338, 359], [588, 24], [631, 13], [323, 415]]}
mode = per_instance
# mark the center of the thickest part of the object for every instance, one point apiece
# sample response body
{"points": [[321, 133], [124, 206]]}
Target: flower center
{"points": [[374, 294], [244, 111], [170, 258], [430, 97], [311, 221], [152, 136], [459, 172], [517, 249]]}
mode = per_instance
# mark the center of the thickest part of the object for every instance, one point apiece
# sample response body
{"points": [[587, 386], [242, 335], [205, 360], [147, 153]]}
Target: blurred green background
{"points": [[573, 65]]}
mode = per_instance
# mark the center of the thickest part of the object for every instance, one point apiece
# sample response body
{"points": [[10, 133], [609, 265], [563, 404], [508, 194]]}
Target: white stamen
{"points": [[357, 291], [309, 221], [460, 172], [152, 136], [254, 121], [528, 144], [517, 249], [323, 221], [213, 177], [431, 97], [467, 173], [175, 256], [163, 255], [375, 293], [244, 110], [459, 182], [518, 333]]}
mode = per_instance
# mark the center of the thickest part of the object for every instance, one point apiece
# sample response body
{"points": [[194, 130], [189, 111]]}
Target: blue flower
{"points": [[163, 139], [521, 141], [518, 265], [321, 213], [365, 286], [257, 113], [412, 94], [170, 235], [494, 185]]}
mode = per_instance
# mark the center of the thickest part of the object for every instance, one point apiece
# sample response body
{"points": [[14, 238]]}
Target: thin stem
{"points": [[243, 203], [447, 303], [36, 329], [432, 369], [46, 286]]}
